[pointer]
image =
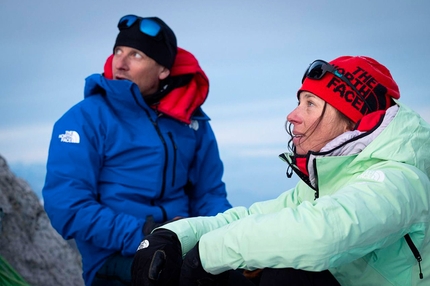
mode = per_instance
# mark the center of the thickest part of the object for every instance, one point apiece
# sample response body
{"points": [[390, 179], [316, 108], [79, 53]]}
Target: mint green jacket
{"points": [[373, 189]]}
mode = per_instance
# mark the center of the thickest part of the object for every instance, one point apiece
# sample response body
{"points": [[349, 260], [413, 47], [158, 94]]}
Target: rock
{"points": [[27, 240]]}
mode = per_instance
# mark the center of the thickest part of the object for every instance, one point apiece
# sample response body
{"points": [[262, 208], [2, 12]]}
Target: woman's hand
{"points": [[193, 274]]}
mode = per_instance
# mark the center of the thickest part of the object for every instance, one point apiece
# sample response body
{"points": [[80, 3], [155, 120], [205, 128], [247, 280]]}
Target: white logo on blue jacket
{"points": [[70, 137], [194, 125]]}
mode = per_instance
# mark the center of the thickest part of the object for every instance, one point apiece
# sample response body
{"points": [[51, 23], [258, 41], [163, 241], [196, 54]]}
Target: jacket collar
{"points": [[348, 143]]}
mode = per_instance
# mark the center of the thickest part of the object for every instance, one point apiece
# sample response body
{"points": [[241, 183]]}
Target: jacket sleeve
{"points": [[365, 216], [206, 190], [189, 231], [70, 192]]}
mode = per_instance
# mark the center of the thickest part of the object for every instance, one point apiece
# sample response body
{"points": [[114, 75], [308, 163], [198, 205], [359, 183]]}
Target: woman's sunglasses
{"points": [[319, 68]]}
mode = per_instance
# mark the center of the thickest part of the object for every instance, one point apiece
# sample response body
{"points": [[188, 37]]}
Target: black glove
{"points": [[158, 260], [192, 272]]}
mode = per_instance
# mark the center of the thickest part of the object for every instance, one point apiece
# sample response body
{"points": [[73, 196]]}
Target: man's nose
{"points": [[121, 62]]}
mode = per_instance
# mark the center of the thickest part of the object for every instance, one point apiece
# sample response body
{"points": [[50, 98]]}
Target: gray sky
{"points": [[254, 53]]}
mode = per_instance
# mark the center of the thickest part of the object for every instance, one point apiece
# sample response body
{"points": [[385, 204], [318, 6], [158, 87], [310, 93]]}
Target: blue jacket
{"points": [[113, 160]]}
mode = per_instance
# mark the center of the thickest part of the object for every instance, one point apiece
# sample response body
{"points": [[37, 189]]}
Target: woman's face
{"points": [[310, 131]]}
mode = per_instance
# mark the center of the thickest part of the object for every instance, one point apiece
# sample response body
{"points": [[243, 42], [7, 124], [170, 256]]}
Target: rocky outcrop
{"points": [[27, 240]]}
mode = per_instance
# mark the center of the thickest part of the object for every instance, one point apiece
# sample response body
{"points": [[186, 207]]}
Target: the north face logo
{"points": [[70, 137], [372, 91], [194, 125]]}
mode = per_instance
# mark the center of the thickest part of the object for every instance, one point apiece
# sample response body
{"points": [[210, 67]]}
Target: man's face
{"points": [[134, 65]]}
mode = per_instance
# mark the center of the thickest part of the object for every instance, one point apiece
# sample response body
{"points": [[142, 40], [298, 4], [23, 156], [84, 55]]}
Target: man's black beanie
{"points": [[161, 48]]}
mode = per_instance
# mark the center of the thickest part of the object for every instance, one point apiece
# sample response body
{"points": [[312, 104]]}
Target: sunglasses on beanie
{"points": [[319, 68], [147, 26]]}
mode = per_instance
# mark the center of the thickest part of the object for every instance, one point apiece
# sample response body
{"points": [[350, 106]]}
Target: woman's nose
{"points": [[293, 116]]}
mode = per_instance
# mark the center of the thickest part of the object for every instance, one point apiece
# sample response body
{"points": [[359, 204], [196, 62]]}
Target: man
{"points": [[136, 152]]}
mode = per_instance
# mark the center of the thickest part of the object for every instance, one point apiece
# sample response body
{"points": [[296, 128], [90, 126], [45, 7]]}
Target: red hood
{"points": [[181, 102]]}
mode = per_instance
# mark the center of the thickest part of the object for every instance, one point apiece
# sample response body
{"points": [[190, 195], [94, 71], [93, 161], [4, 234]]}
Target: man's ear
{"points": [[164, 73]]}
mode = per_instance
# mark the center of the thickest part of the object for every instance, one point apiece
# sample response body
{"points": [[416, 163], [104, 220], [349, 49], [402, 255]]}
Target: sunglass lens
{"points": [[315, 71], [127, 21], [149, 27]]}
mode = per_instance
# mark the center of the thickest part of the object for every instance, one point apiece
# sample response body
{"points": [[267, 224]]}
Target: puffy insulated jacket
{"points": [[113, 160], [371, 188]]}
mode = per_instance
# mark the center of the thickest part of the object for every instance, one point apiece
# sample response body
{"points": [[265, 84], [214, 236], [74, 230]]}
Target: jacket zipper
{"points": [[175, 148], [160, 135], [317, 191], [163, 185], [415, 252]]}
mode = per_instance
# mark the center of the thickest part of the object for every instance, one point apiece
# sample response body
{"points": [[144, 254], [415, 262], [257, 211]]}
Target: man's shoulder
{"points": [[88, 107], [199, 114]]}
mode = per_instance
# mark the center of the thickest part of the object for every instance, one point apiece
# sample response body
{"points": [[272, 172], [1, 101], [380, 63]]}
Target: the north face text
{"points": [[370, 90]]}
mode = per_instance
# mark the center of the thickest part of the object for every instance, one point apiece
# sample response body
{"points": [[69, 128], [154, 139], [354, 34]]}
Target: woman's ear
{"points": [[350, 126]]}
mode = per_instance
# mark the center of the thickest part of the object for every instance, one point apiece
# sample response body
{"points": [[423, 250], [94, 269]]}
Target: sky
{"points": [[254, 53]]}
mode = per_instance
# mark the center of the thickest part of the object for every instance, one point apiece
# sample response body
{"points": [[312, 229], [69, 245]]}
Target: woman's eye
{"points": [[137, 55]]}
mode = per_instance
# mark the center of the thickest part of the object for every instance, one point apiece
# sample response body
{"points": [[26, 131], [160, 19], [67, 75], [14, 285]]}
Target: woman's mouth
{"points": [[297, 138]]}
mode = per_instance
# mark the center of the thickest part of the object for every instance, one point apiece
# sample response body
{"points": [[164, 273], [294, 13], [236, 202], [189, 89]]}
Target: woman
{"points": [[359, 215]]}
